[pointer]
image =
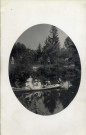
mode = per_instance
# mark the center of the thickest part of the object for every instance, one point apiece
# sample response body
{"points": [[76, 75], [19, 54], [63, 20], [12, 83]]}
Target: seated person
{"points": [[39, 84], [30, 79], [35, 84], [59, 80], [29, 84], [48, 83]]}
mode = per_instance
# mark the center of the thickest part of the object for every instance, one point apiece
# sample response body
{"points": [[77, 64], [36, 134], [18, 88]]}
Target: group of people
{"points": [[36, 83], [33, 84]]}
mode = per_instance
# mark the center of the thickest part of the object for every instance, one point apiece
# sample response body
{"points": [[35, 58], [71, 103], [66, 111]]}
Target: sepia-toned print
{"points": [[44, 69]]}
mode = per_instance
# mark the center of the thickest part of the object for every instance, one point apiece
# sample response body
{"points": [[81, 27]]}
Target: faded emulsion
{"points": [[44, 69]]}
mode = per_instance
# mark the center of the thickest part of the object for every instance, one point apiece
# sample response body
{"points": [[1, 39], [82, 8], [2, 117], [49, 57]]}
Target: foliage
{"points": [[52, 46], [52, 61]]}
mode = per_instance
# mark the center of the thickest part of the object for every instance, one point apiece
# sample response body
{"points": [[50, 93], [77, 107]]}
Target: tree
{"points": [[18, 52], [23, 59], [72, 52], [74, 73], [39, 49], [53, 38], [38, 52], [52, 46]]}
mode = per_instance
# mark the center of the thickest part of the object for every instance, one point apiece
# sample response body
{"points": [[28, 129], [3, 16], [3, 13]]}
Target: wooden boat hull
{"points": [[24, 90]]}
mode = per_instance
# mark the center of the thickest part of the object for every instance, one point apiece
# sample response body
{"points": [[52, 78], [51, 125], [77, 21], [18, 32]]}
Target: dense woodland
{"points": [[52, 61]]}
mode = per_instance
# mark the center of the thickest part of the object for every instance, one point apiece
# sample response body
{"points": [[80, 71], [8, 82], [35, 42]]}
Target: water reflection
{"points": [[43, 103], [48, 102]]}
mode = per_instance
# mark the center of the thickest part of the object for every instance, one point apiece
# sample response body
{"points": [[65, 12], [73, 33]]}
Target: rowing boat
{"points": [[44, 88]]}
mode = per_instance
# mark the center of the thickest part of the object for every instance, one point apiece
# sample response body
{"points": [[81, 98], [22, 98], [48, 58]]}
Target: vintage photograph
{"points": [[44, 69]]}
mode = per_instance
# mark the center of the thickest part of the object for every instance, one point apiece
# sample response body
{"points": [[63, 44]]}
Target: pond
{"points": [[46, 102]]}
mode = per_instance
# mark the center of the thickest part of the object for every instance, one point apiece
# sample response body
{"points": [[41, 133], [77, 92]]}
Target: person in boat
{"points": [[35, 85], [39, 84], [29, 84], [59, 81], [48, 83], [30, 79]]}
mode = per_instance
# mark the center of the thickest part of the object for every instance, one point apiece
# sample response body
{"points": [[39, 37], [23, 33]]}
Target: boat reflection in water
{"points": [[46, 100]]}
